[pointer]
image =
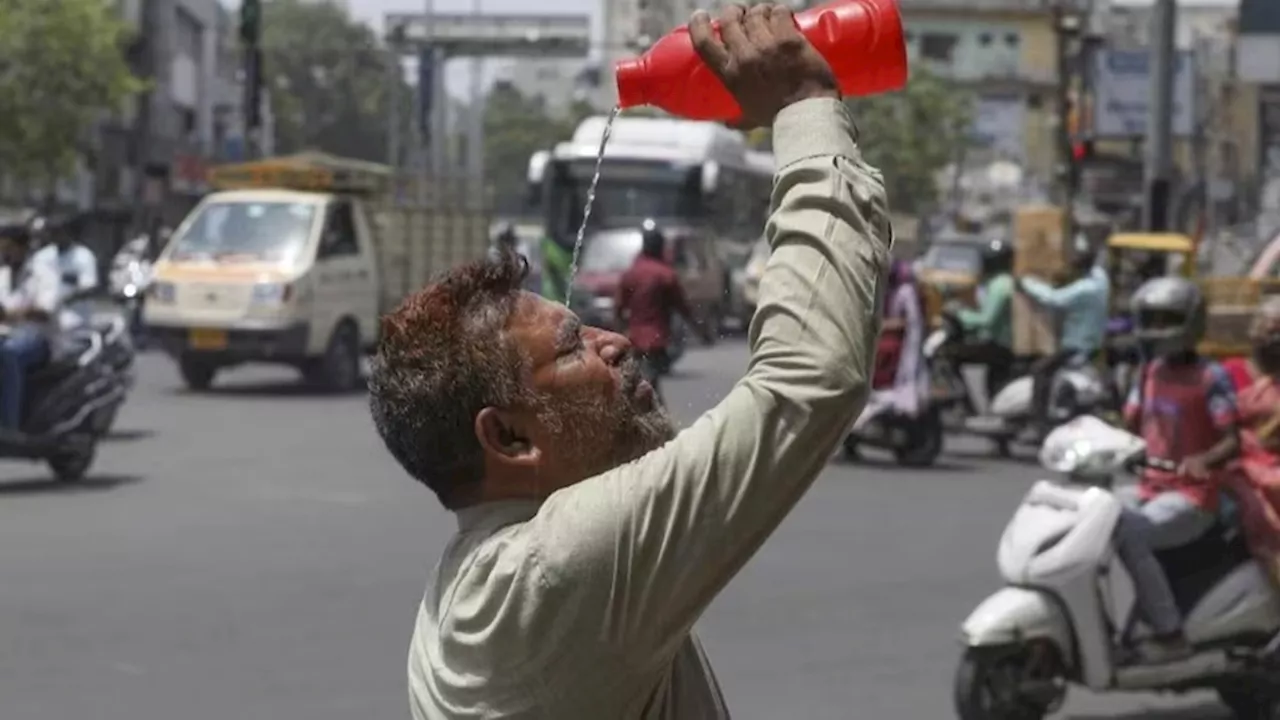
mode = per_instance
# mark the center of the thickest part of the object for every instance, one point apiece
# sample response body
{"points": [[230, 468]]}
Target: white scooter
{"points": [[1008, 420], [1076, 391], [1067, 614]]}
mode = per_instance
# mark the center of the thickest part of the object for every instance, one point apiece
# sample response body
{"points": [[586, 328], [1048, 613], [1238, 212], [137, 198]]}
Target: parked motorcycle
{"points": [[1067, 614], [61, 400]]}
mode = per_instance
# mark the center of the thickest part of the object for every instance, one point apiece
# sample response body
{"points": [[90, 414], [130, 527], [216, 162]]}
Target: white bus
{"points": [[677, 172]]}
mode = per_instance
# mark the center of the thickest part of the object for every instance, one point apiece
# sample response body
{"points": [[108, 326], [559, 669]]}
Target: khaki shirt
{"points": [[582, 607]]}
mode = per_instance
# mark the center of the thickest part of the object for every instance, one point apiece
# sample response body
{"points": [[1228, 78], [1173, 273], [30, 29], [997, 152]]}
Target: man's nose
{"points": [[611, 346]]}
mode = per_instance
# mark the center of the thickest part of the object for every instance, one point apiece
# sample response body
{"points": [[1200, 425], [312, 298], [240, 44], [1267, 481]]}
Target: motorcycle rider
{"points": [[30, 312], [509, 241], [76, 265], [992, 321], [1083, 304], [649, 294], [1184, 407]]}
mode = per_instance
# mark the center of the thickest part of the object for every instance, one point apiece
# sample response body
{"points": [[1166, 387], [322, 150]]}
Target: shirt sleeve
{"points": [[44, 288], [1221, 394], [635, 555], [998, 293], [87, 268], [1059, 298]]}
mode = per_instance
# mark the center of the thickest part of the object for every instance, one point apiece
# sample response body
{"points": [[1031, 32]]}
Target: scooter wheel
{"points": [[849, 448], [924, 442], [1250, 704], [988, 686], [71, 465]]}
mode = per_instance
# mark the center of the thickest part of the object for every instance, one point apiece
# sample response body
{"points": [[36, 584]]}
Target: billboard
{"points": [[1122, 92]]}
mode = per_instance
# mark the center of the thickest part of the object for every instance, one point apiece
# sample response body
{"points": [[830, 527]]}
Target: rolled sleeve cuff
{"points": [[819, 127]]}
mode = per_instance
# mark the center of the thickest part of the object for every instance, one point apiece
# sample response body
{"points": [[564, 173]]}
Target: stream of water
{"points": [[591, 200]]}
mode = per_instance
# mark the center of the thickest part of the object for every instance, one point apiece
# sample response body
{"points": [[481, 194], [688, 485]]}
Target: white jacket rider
{"points": [[77, 270]]}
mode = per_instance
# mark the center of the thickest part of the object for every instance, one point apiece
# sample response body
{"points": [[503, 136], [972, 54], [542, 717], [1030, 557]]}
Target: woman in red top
{"points": [[1257, 489], [1242, 370]]}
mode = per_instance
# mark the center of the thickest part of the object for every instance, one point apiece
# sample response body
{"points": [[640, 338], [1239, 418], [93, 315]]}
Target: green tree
{"points": [[515, 127], [329, 81], [912, 134], [61, 65]]}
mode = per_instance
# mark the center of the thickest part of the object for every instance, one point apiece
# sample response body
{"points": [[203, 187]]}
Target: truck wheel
{"points": [[339, 370], [197, 374]]}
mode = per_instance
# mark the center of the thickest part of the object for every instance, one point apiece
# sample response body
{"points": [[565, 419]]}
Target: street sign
{"points": [[1122, 87]]}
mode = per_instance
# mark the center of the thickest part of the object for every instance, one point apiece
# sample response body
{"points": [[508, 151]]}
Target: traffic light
{"points": [[250, 22]]}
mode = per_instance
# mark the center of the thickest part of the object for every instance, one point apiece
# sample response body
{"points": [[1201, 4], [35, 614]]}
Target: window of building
{"points": [[939, 47], [985, 39], [1012, 39]]}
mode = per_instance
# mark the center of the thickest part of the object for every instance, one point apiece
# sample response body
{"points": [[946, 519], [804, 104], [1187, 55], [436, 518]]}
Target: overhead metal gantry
{"points": [[440, 37]]}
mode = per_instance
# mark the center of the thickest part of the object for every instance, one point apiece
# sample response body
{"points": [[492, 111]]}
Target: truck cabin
{"points": [[270, 212]]}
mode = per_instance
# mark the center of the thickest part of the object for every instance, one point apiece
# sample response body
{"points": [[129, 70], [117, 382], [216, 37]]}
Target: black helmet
{"points": [[652, 241], [997, 256], [1083, 256]]}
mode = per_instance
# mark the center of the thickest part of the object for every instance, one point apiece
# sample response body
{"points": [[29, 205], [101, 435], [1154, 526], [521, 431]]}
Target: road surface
{"points": [[253, 554]]}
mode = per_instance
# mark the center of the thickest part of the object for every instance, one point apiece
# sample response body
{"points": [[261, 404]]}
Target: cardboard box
{"points": [[1035, 330], [1040, 250]]}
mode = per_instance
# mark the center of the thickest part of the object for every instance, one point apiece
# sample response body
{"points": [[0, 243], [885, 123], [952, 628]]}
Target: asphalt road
{"points": [[253, 554]]}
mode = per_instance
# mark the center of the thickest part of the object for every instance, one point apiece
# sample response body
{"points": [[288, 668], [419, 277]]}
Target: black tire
{"points": [[1002, 448], [849, 448], [925, 443], [977, 695], [1249, 704], [72, 464], [339, 370], [197, 374]]}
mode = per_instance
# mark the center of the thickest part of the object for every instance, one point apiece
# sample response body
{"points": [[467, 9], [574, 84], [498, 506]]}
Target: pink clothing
{"points": [[1241, 372], [1257, 488], [1182, 410]]}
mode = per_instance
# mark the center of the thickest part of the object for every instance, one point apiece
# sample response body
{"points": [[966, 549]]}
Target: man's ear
{"points": [[504, 439]]}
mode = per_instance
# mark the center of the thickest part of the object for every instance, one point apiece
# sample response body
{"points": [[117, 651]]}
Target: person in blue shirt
{"points": [[1082, 304]]}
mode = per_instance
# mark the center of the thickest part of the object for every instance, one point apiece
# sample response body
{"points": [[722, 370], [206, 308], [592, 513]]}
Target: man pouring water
{"points": [[591, 536]]}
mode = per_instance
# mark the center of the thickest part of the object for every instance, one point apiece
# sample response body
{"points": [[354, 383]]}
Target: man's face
{"points": [[595, 412]]}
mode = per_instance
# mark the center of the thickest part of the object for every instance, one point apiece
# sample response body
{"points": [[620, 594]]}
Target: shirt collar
{"points": [[496, 514]]}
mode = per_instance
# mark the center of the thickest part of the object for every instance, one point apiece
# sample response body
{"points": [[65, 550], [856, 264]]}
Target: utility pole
{"points": [[1159, 160], [251, 43], [1066, 27], [475, 135]]}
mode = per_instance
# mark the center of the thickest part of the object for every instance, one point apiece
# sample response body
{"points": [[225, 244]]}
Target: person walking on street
{"points": [[591, 536], [649, 295]]}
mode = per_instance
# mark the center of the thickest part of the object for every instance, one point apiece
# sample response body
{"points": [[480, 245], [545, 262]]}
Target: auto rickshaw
{"points": [[1135, 258]]}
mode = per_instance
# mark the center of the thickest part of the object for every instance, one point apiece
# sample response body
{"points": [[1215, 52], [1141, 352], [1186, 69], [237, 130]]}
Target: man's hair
{"points": [[442, 358]]}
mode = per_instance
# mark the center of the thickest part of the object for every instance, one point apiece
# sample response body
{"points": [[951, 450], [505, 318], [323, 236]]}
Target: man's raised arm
{"points": [[641, 551]]}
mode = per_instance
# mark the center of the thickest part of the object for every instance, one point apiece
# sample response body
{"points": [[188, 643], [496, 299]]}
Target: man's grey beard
{"points": [[608, 432]]}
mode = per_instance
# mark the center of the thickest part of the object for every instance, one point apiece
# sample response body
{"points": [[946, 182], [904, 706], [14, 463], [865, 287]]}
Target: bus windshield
{"points": [[247, 231], [629, 192]]}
